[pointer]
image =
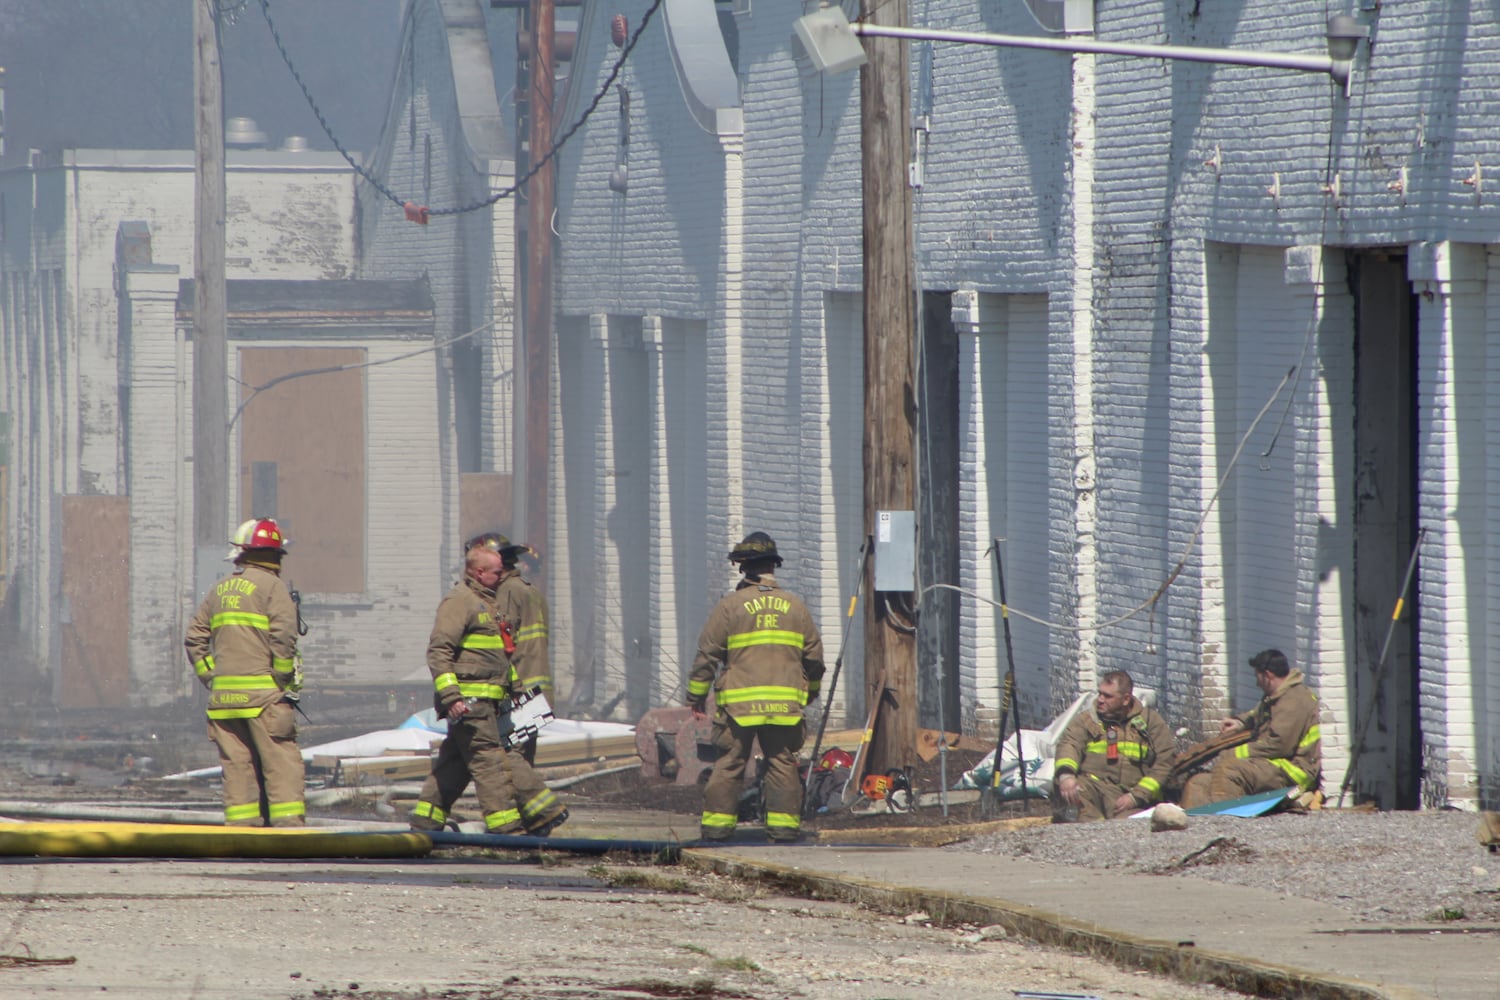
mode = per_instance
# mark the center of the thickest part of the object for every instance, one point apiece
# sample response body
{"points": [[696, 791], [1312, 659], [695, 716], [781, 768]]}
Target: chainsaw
{"points": [[893, 788]]}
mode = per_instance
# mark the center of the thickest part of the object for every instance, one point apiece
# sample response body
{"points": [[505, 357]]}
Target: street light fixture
{"points": [[832, 45]]}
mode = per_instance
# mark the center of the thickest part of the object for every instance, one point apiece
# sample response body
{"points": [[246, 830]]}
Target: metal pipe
{"points": [[1240, 57]]}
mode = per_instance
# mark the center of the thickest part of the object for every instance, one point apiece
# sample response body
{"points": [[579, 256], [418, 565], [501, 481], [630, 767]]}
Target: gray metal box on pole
{"points": [[896, 550]]}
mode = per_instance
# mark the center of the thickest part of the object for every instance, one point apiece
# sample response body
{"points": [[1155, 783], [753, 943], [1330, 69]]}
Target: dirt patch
{"points": [[635, 790]]}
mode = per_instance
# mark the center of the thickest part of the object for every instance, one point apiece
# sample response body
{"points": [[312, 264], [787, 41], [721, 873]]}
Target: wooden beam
{"points": [[889, 343]]}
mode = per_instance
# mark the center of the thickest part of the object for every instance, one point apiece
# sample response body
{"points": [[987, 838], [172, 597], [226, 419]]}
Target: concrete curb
{"points": [[1182, 961]]}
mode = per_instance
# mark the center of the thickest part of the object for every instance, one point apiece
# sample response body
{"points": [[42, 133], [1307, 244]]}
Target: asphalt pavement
{"points": [[1258, 942]]}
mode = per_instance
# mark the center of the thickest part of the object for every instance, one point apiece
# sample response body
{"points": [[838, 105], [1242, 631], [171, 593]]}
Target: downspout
{"points": [[1085, 498], [732, 141]]}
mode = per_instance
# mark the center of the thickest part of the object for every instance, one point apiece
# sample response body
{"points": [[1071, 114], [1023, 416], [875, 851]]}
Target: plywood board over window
{"points": [[302, 452], [94, 671]]}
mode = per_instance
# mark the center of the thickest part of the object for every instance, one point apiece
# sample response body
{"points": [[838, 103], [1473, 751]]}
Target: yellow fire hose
{"points": [[159, 840]]}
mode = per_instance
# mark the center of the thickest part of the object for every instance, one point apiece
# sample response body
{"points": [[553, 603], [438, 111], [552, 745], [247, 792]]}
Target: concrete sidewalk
{"points": [[1240, 938]]}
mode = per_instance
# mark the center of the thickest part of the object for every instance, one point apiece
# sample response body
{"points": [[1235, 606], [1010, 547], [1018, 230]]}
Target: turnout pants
{"points": [[511, 795], [781, 787], [1098, 799], [1232, 778], [263, 781]]}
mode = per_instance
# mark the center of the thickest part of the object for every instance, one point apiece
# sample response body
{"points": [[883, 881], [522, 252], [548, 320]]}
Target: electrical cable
{"points": [[332, 369], [1192, 542], [503, 193]]}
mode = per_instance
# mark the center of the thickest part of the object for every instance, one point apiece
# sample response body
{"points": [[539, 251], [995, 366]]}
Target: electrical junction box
{"points": [[896, 550]]}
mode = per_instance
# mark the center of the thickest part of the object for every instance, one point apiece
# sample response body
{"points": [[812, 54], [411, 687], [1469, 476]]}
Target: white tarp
{"points": [[1038, 749], [424, 732]]}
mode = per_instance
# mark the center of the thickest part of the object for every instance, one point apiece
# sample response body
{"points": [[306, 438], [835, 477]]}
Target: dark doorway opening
{"points": [[1388, 765]]}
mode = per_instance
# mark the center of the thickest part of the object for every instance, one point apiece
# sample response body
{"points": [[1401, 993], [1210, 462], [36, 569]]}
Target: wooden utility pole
{"points": [[534, 355], [890, 387], [210, 362]]}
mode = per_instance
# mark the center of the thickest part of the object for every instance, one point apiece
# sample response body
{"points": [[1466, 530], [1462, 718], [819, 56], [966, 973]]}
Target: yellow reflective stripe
{"points": [[427, 810], [247, 682], [538, 804], [531, 632], [1313, 735], [813, 687], [245, 619], [783, 821], [697, 688], [719, 821], [1136, 751], [205, 666], [1293, 771], [768, 720], [281, 810], [481, 689], [284, 666], [1149, 785], [767, 692], [1242, 751], [1065, 762], [500, 820], [444, 681], [765, 637], [248, 811], [476, 641], [234, 713], [541, 680]]}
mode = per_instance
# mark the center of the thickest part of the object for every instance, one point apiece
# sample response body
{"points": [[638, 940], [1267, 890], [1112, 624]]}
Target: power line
{"points": [[386, 192], [334, 369], [1150, 602]]}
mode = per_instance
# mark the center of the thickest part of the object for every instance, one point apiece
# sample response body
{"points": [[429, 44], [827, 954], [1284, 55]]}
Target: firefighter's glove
{"points": [[295, 687]]}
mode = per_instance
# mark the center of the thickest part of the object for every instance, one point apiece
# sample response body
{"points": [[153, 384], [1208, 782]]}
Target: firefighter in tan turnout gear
{"points": [[1285, 748], [521, 605], [773, 666], [242, 644], [473, 681], [1114, 759]]}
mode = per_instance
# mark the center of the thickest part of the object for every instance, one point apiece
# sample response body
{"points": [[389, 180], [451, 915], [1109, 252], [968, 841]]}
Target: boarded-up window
{"points": [[94, 667], [302, 447]]}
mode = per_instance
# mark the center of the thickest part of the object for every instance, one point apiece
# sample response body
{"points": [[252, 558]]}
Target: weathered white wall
{"points": [[290, 215], [443, 146]]}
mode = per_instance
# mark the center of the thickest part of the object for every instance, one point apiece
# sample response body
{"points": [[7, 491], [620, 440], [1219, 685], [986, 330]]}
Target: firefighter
{"points": [[473, 681], [1113, 759], [242, 643], [523, 607], [1285, 748], [773, 666]]}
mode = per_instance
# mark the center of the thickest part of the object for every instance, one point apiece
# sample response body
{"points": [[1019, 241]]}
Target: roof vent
{"points": [[241, 133], [294, 144]]}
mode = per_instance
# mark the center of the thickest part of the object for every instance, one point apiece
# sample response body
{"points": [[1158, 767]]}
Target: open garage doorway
{"points": [[1388, 768]]}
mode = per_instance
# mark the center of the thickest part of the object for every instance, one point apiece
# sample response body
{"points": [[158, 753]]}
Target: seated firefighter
{"points": [[1281, 745], [1113, 759]]}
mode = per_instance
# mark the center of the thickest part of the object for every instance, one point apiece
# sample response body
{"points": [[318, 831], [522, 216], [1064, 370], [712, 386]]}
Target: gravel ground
{"points": [[1380, 867]]}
